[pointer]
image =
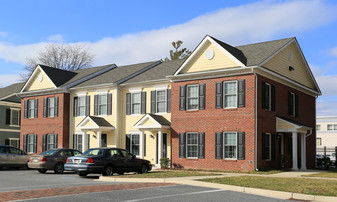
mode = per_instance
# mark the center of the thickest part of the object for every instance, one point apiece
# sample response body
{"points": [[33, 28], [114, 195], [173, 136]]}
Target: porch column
{"points": [[160, 145], [85, 141], [99, 142], [141, 144], [303, 152], [295, 165]]}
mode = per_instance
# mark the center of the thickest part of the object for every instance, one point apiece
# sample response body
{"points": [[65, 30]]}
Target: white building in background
{"points": [[326, 132]]}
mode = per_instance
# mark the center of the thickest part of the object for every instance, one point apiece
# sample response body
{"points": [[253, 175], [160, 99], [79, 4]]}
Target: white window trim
{"points": [[49, 107], [28, 137], [236, 145], [187, 105], [98, 111], [14, 139], [165, 100], [11, 124], [224, 95], [193, 144], [132, 134], [140, 103], [85, 104], [81, 134], [269, 158], [33, 108]]}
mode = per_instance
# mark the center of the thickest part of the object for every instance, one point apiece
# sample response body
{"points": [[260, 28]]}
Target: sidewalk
{"points": [[261, 192]]}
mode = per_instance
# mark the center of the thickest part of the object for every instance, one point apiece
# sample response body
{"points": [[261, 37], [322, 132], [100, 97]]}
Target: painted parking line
{"points": [[174, 195]]}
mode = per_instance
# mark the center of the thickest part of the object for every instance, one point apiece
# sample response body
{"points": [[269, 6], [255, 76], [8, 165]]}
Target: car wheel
{"points": [[108, 171], [82, 174], [120, 173], [42, 170], [144, 169], [59, 168]]}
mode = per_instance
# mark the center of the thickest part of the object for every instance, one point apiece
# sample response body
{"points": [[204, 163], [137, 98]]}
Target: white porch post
{"points": [[99, 142], [303, 152], [160, 145], [85, 141], [295, 165], [141, 142]]}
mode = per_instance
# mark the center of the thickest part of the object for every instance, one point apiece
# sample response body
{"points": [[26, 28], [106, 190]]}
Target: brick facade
{"points": [[47, 125]]}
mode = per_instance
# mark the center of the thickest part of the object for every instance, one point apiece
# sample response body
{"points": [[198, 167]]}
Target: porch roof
{"points": [[94, 123], [286, 125], [152, 121]]}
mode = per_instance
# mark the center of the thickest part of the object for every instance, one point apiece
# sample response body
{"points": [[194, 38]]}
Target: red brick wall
{"points": [[267, 122], [212, 120], [47, 125]]}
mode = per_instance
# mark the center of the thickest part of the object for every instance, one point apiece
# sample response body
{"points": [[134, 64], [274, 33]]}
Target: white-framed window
{"points": [[318, 141], [267, 97], [51, 140], [335, 127], [230, 94], [192, 97], [14, 118], [192, 145], [81, 105], [267, 146], [332, 127], [31, 109], [318, 127], [30, 145], [102, 104], [51, 107], [230, 145], [292, 110], [161, 101], [135, 144], [15, 142], [135, 103]]}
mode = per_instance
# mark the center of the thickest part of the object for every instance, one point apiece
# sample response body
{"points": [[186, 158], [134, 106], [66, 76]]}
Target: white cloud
{"points": [[7, 79], [4, 34], [236, 25], [326, 108], [57, 38]]}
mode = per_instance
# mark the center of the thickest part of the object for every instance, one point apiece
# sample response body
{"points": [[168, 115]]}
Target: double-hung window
{"points": [[135, 144], [266, 146], [81, 105], [267, 97], [102, 104], [13, 117], [30, 143], [192, 145], [292, 104], [51, 107], [230, 145], [161, 101], [51, 141], [230, 94], [30, 148], [135, 103], [192, 97], [31, 109]]}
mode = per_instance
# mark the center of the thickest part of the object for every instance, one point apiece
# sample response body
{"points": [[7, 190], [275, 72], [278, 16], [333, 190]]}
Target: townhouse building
{"points": [[326, 128], [225, 108]]}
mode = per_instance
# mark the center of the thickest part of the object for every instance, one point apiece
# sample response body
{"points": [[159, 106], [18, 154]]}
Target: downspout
{"points": [[116, 116], [255, 156]]}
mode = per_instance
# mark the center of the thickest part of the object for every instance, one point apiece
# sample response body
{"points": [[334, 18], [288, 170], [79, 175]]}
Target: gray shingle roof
{"points": [[58, 76], [100, 121], [160, 119], [9, 90]]}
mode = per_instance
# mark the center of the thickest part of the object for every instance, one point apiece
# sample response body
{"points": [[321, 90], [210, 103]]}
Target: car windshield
{"points": [[94, 152], [49, 152]]}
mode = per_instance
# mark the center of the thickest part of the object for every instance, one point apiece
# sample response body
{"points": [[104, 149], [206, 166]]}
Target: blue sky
{"points": [[126, 32]]}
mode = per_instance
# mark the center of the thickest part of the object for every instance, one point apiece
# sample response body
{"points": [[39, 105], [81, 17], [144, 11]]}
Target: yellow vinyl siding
{"points": [[280, 64], [219, 61], [35, 84], [148, 122]]}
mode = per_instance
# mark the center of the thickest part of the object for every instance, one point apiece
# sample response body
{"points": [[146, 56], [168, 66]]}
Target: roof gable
{"points": [[212, 54], [38, 80], [92, 123], [151, 121]]}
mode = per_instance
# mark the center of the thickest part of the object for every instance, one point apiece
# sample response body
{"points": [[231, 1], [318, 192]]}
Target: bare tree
{"points": [[178, 54], [61, 56]]}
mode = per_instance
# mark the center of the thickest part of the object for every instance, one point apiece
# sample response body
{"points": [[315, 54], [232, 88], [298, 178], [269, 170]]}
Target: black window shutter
{"points": [[45, 107], [182, 145], [88, 144], [56, 111], [182, 98], [87, 105], [296, 105], [218, 145], [264, 103], [153, 102], [75, 106], [202, 91], [56, 141], [127, 142], [8, 116], [143, 103], [109, 101], [168, 100], [36, 107], [218, 95], [273, 145], [25, 111], [241, 93], [128, 103], [96, 105], [290, 104], [241, 146], [44, 142], [25, 143], [75, 141], [35, 144], [6, 141], [201, 145], [272, 98], [144, 145], [264, 148], [19, 118]]}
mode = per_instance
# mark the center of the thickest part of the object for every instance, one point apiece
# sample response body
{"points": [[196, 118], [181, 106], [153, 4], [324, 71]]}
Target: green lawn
{"points": [[297, 185], [330, 174], [166, 174]]}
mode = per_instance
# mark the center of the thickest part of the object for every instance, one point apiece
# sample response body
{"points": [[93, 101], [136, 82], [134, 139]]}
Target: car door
{"points": [[4, 156], [130, 161], [117, 159], [17, 157], [64, 154]]}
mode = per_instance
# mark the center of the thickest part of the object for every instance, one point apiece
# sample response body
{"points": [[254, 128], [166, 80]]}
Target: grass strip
{"points": [[323, 174], [295, 185], [166, 174]]}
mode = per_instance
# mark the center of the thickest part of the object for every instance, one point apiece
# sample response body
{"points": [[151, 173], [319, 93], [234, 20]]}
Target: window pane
{"points": [[230, 93], [135, 100], [135, 144], [15, 117], [81, 106], [192, 91], [230, 101], [329, 127], [102, 104], [192, 151], [230, 88], [192, 138], [51, 105], [192, 145], [161, 95], [230, 145], [30, 143], [161, 107], [193, 103], [31, 109], [135, 97], [79, 142], [51, 140]]}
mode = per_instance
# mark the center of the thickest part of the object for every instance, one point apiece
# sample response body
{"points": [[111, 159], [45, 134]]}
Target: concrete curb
{"points": [[255, 191]]}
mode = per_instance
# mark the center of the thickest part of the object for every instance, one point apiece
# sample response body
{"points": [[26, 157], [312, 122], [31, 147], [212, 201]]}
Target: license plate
{"points": [[77, 160], [35, 160]]}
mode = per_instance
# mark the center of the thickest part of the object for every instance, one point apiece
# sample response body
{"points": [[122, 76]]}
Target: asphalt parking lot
{"points": [[33, 186]]}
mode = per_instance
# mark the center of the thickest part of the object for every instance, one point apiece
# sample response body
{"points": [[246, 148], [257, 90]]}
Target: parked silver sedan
{"points": [[52, 160], [12, 157]]}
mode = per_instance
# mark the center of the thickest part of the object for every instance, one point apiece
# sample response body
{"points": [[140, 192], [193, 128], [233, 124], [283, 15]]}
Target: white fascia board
{"points": [[32, 76]]}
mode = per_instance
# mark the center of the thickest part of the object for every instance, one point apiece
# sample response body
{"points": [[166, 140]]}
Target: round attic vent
{"points": [[209, 54], [40, 77]]}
